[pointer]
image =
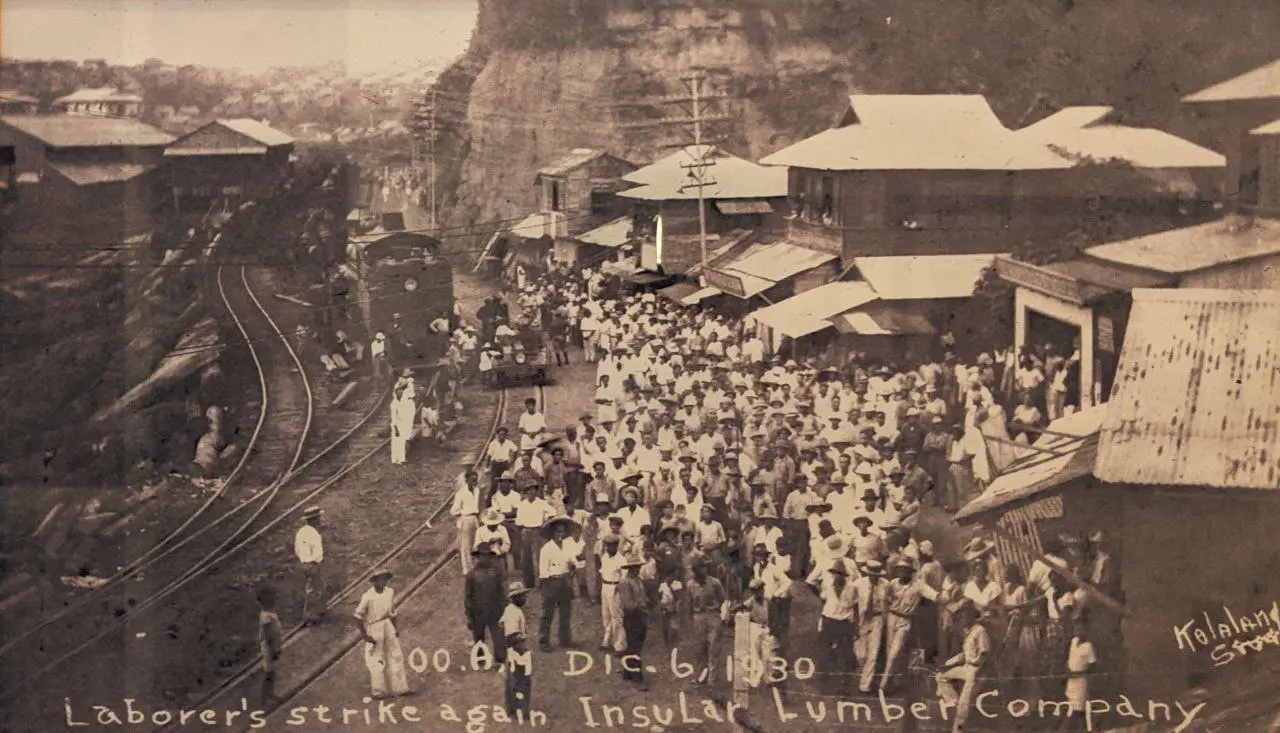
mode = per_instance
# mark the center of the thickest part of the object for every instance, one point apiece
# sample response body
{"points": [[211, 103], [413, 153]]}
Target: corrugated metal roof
{"points": [[1261, 83], [1193, 248], [88, 174], [178, 152], [919, 132], [1080, 131], [809, 311], [923, 277], [1021, 523], [70, 131], [883, 318], [960, 132], [570, 161], [748, 206], [613, 235], [98, 94], [263, 133], [686, 293], [533, 226], [1197, 392], [762, 265], [734, 178], [8, 95]]}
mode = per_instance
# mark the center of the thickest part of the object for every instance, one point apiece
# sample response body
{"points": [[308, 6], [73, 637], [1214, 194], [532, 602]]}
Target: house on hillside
{"points": [[1188, 434], [64, 169], [1246, 111], [15, 103], [576, 194], [238, 158], [104, 101]]}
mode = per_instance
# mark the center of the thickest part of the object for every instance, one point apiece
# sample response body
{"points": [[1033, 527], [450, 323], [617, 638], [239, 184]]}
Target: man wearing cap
{"points": [[466, 507], [309, 549], [557, 562], [484, 600], [611, 571], [499, 455], [872, 603], [905, 592], [519, 685], [634, 602]]}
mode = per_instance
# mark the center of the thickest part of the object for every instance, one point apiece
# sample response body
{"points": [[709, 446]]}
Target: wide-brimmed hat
{"points": [[381, 573], [818, 508], [870, 494], [978, 548], [863, 518], [767, 512], [492, 517], [516, 588], [549, 526], [904, 561], [630, 490], [873, 567], [836, 546], [632, 561], [668, 530]]}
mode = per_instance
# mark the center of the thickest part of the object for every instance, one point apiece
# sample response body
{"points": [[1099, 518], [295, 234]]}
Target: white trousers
{"points": [[611, 618]]}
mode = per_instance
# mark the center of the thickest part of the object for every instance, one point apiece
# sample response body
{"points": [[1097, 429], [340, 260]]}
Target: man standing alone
{"points": [[309, 548]]}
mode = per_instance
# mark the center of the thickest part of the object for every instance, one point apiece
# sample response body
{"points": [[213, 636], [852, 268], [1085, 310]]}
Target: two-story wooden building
{"points": [[92, 176], [102, 101], [576, 194], [231, 159], [737, 196], [941, 174], [1245, 113]]}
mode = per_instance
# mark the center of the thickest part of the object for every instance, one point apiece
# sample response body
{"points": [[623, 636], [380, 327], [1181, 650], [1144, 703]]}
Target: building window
{"points": [[827, 201], [601, 202], [556, 203]]}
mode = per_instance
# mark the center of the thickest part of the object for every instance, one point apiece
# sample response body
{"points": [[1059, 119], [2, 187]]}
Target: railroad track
{"points": [[279, 439], [408, 552]]}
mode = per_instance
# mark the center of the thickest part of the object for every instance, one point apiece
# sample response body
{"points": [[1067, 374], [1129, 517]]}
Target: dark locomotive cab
{"points": [[403, 285]]}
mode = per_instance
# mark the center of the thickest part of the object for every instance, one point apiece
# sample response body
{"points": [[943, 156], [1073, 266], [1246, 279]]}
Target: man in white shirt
{"points": [[531, 513], [501, 452], [309, 548], [466, 507], [610, 610], [533, 424], [556, 564], [493, 535], [634, 517]]}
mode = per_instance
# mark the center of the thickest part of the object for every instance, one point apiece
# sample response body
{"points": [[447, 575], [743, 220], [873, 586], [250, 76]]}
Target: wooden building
{"points": [[233, 159], [101, 101], [89, 176], [1180, 472], [15, 103], [1245, 111], [575, 193], [941, 174], [741, 196]]}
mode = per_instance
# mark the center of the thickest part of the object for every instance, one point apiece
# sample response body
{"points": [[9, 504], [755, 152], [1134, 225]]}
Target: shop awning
{"points": [[744, 206], [883, 319], [644, 277], [611, 235], [762, 266], [1066, 453], [687, 293], [810, 311]]}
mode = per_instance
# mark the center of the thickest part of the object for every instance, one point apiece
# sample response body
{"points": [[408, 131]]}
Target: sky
{"points": [[371, 36]]}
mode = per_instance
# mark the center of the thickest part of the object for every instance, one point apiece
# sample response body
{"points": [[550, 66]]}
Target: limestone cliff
{"points": [[546, 76]]}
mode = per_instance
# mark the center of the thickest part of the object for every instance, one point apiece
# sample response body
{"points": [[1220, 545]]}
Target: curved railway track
{"points": [[278, 442], [407, 552]]}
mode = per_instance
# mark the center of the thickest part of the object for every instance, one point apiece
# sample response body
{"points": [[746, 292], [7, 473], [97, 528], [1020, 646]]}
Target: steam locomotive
{"points": [[403, 285]]}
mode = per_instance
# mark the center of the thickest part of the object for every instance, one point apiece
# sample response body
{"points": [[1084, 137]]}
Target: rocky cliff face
{"points": [[545, 76]]}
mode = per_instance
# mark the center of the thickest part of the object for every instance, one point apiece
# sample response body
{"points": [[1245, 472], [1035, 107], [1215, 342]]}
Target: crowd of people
{"points": [[712, 479]]}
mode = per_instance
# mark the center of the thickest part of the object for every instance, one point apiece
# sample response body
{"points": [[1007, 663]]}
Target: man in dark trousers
{"points": [[270, 642], [484, 600], [635, 620]]}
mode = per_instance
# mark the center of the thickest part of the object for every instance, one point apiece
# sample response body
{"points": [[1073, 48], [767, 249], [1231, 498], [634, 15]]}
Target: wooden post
{"points": [[741, 652]]}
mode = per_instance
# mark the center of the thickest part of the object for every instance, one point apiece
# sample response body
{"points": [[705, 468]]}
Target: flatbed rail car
{"points": [[403, 284]]}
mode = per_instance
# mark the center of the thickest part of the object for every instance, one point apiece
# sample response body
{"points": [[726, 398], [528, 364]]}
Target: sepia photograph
{"points": [[706, 366]]}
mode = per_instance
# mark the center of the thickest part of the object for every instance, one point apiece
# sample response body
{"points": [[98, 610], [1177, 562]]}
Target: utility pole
{"points": [[697, 169], [431, 161]]}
